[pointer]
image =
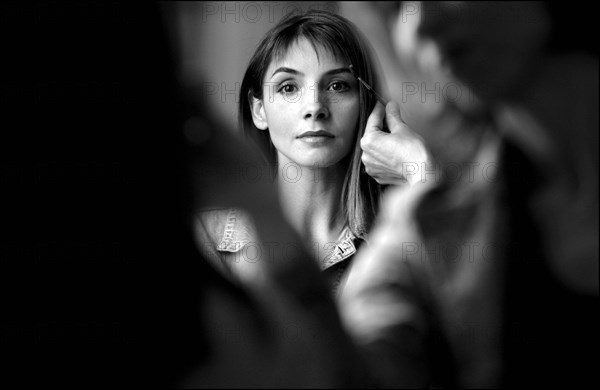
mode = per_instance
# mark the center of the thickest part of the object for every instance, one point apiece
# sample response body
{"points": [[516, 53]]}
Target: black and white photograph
{"points": [[290, 194]]}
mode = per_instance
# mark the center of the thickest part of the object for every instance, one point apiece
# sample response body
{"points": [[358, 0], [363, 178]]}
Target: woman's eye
{"points": [[338, 86], [288, 88]]}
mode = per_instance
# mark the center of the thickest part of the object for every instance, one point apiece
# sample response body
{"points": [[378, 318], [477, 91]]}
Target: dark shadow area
{"points": [[100, 277]]}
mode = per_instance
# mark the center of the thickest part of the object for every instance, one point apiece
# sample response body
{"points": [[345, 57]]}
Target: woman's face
{"points": [[310, 106]]}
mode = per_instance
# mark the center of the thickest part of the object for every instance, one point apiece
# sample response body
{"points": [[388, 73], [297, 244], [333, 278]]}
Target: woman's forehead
{"points": [[302, 47]]}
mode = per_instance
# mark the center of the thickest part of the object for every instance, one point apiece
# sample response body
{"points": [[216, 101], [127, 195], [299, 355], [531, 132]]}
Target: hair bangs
{"points": [[322, 39]]}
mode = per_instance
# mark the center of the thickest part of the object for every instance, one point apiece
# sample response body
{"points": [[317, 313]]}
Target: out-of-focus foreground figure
{"points": [[497, 252]]}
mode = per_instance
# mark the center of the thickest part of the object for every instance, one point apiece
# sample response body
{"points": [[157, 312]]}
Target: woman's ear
{"points": [[257, 108]]}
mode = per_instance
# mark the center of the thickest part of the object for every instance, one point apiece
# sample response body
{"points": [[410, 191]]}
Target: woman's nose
{"points": [[315, 105]]}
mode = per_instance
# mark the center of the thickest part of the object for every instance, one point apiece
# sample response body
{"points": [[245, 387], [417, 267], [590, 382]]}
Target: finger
{"points": [[393, 116], [375, 121]]}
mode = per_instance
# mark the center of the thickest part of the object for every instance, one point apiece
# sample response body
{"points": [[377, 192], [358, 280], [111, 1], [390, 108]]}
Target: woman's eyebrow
{"points": [[338, 70], [287, 70], [296, 72]]}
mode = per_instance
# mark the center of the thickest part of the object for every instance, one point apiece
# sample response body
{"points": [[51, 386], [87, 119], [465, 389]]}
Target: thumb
{"points": [[375, 120], [393, 116]]}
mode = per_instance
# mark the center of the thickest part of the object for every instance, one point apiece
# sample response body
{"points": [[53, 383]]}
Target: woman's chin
{"points": [[318, 163]]}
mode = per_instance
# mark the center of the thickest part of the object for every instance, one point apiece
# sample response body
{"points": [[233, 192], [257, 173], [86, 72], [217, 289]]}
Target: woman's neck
{"points": [[311, 201]]}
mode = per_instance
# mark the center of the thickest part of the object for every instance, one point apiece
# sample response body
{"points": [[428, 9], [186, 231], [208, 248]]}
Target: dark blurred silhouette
{"points": [[520, 309], [542, 86], [95, 255]]}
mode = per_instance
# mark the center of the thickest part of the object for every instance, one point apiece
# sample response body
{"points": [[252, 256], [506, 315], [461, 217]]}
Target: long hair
{"points": [[337, 35]]}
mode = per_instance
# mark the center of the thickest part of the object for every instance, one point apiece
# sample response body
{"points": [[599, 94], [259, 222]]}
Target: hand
{"points": [[396, 157]]}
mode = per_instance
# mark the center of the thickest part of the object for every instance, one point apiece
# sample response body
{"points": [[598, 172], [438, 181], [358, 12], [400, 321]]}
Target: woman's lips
{"points": [[320, 134]]}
